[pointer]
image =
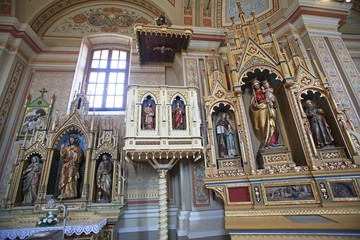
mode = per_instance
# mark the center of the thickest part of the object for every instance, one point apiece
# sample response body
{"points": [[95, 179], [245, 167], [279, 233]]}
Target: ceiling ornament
{"points": [[263, 9], [66, 7]]}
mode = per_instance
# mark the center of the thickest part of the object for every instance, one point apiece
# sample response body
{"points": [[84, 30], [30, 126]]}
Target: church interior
{"points": [[231, 119]]}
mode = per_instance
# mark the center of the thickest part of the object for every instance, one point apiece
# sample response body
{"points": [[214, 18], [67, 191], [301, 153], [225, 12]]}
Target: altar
{"points": [[84, 229]]}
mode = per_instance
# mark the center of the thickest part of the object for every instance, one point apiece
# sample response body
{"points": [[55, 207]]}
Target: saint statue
{"points": [[149, 117], [72, 156], [31, 179], [263, 116], [178, 117], [230, 141], [104, 179], [320, 129], [221, 128]]}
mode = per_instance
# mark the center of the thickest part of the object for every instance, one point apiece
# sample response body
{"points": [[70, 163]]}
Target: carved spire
{"points": [[259, 35], [280, 56], [236, 35], [303, 55], [316, 66]]}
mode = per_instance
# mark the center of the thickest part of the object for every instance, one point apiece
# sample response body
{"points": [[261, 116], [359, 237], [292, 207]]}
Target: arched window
{"points": [[103, 70], [106, 79]]}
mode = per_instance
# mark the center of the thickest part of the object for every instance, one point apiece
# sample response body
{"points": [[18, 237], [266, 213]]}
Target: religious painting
{"points": [[283, 193], [178, 114], [35, 117], [344, 190], [148, 114]]}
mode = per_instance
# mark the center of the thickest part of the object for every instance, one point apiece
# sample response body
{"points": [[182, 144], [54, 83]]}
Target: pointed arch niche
{"points": [[226, 139], [323, 131], [279, 140]]}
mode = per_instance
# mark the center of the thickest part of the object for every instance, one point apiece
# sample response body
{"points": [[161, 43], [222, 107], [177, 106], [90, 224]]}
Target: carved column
{"points": [[163, 218], [163, 166], [245, 144]]}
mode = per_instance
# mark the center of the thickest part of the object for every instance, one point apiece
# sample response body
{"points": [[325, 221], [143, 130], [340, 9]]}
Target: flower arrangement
{"points": [[49, 219]]}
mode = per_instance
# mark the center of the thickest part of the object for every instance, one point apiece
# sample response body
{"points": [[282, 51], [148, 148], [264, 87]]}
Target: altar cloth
{"points": [[78, 227]]}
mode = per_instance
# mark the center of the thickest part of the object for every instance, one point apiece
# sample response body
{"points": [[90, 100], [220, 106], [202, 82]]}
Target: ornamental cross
{"points": [[42, 92]]}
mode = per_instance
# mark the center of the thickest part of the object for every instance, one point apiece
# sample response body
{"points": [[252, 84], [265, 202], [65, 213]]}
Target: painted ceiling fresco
{"points": [[109, 19], [262, 8]]}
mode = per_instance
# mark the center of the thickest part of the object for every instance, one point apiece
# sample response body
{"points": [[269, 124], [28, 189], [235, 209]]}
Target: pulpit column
{"points": [[163, 166], [163, 218]]}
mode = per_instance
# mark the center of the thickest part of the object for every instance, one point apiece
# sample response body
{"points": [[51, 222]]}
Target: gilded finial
{"points": [[270, 28]]}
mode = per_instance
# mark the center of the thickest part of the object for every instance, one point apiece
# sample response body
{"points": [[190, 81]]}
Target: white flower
{"points": [[56, 220], [50, 213], [39, 222], [49, 220], [44, 220]]}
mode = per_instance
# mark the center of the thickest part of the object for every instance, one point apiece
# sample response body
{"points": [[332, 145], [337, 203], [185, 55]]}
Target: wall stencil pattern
{"points": [[334, 78]]}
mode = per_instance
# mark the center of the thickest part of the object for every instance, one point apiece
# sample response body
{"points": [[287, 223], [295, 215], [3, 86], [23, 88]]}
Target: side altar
{"points": [[70, 165]]}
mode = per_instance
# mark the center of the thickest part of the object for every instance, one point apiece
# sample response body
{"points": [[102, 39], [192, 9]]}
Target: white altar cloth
{"points": [[87, 226]]}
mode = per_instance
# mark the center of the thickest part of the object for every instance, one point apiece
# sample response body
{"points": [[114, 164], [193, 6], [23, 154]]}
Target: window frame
{"points": [[107, 72]]}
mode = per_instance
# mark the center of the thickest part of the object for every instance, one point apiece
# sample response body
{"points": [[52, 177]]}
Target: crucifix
{"points": [[42, 92]]}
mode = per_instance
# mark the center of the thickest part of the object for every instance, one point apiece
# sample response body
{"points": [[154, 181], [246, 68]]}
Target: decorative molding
{"points": [[293, 211], [10, 93], [332, 74]]}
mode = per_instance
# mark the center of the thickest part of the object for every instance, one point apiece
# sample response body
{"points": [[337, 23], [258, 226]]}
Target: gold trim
{"points": [[292, 211]]}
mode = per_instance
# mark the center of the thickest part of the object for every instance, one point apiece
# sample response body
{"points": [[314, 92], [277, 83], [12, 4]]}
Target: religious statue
{"points": [[104, 179], [149, 117], [178, 117], [320, 129], [269, 93], [31, 180], [72, 156], [230, 141], [221, 127], [263, 116]]}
